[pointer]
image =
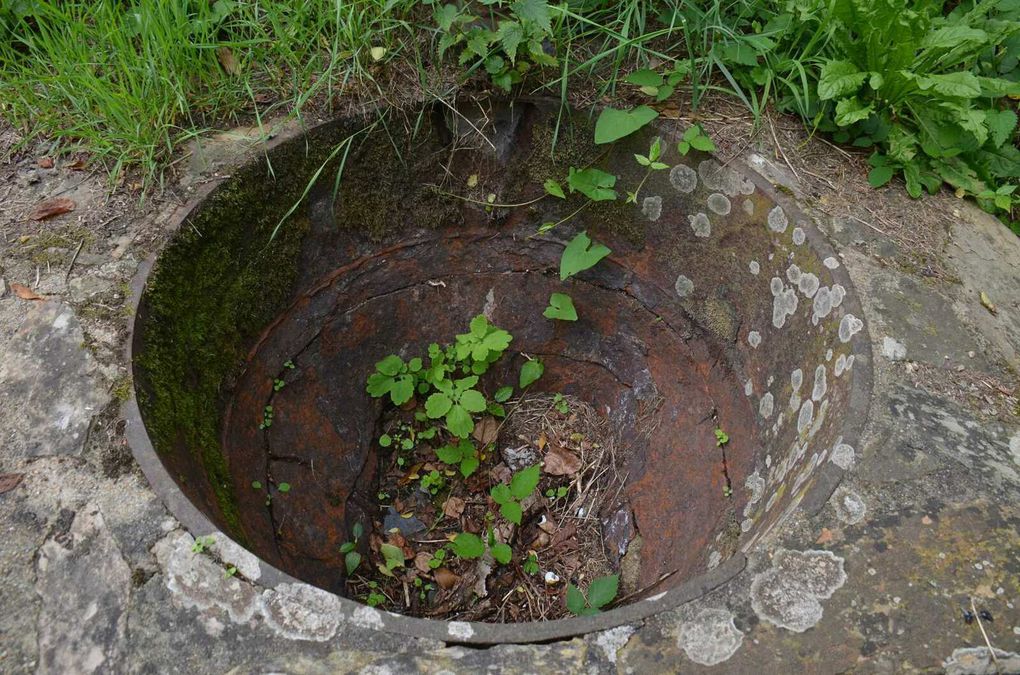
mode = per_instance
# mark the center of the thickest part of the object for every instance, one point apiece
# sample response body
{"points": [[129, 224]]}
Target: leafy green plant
{"points": [[506, 53], [393, 558], [695, 137], [464, 455], [267, 417], [580, 254], [467, 546], [721, 437], [561, 307], [432, 482], [651, 161], [601, 592], [531, 370], [613, 124], [557, 493], [437, 559], [374, 598], [278, 384], [394, 377], [201, 544], [560, 403], [482, 345], [352, 559], [509, 497], [455, 401], [652, 83], [595, 184], [530, 564]]}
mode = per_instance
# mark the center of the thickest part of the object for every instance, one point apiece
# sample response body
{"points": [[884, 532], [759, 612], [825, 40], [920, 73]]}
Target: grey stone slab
{"points": [[84, 584], [48, 387]]}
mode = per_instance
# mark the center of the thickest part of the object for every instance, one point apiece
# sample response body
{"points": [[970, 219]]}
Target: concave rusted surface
{"points": [[665, 344]]}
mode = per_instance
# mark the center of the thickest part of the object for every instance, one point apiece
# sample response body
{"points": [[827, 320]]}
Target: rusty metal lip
{"points": [[199, 524]]}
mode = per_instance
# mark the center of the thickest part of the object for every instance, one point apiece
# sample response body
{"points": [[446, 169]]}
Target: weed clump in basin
{"points": [[489, 497]]}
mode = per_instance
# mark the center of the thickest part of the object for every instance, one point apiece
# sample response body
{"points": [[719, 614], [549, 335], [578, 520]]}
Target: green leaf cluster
{"points": [[394, 377], [482, 345], [464, 455], [509, 497], [601, 592], [659, 86]]}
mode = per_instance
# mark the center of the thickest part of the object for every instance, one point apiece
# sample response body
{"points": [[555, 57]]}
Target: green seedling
{"points": [[432, 482], [351, 557], [652, 83], [267, 417], [393, 558], [464, 455], [561, 404], [721, 437], [652, 163], [557, 493], [601, 592], [509, 497], [561, 307], [201, 544], [278, 384], [437, 559], [394, 377], [695, 138], [455, 401], [530, 565]]}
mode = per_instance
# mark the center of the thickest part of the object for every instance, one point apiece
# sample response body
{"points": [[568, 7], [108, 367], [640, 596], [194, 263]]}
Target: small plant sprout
{"points": [[278, 384], [581, 254], [455, 401], [530, 372], [394, 377], [374, 597], [393, 558], [530, 565], [652, 83], [283, 488], [561, 307], [721, 437], [230, 571], [437, 559], [553, 189], [432, 482], [267, 417], [201, 544], [501, 553], [601, 592], [351, 557], [423, 588], [561, 404], [695, 138], [557, 493], [509, 497], [256, 485], [289, 365], [464, 455], [651, 161]]}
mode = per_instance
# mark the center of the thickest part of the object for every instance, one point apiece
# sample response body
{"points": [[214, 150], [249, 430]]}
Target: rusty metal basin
{"points": [[720, 306]]}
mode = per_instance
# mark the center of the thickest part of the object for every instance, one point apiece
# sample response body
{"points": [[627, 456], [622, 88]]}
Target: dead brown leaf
{"points": [[453, 507], [24, 292], [825, 537], [76, 165], [9, 481], [228, 61], [52, 207], [561, 462], [421, 562], [541, 441], [485, 430], [45, 162], [445, 578], [412, 474]]}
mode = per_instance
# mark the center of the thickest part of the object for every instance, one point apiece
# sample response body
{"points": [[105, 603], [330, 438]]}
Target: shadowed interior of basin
{"points": [[668, 345]]}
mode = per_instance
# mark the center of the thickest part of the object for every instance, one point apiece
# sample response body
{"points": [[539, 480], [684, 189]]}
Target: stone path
{"points": [[98, 577]]}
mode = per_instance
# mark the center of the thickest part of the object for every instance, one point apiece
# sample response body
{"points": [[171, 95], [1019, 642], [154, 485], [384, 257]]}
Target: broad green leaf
{"points": [[523, 482], [468, 465], [1001, 124], [839, 78], [850, 110], [553, 188], [581, 254], [467, 545], [445, 16], [378, 385], [602, 591], [385, 440], [614, 124], [703, 143], [575, 600], [402, 390], [560, 307], [536, 11], [962, 84], [283, 487], [391, 365], [912, 176], [502, 553], [473, 401], [479, 326], [511, 511], [511, 35], [351, 562], [393, 555], [459, 422], [497, 340], [449, 454], [593, 183], [503, 394], [500, 493], [645, 78], [951, 37], [347, 547], [996, 87], [880, 175], [530, 371], [437, 405]]}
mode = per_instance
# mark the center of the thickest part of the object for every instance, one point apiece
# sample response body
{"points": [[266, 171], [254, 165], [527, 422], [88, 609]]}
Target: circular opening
{"points": [[719, 344]]}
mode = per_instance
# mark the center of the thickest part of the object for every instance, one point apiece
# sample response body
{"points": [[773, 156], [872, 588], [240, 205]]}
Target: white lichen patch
{"points": [[367, 617], [652, 207], [196, 581], [749, 389], [754, 267], [754, 338], [714, 558], [798, 236], [683, 286], [749, 207], [724, 179], [766, 405], [828, 354], [796, 379], [850, 507], [683, 178], [821, 385], [756, 484], [849, 326], [787, 595], [807, 414], [233, 554], [808, 284], [793, 273], [831, 262], [839, 366], [777, 220], [842, 455], [460, 630], [719, 203], [710, 637], [700, 225], [613, 640], [784, 304], [302, 612]]}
